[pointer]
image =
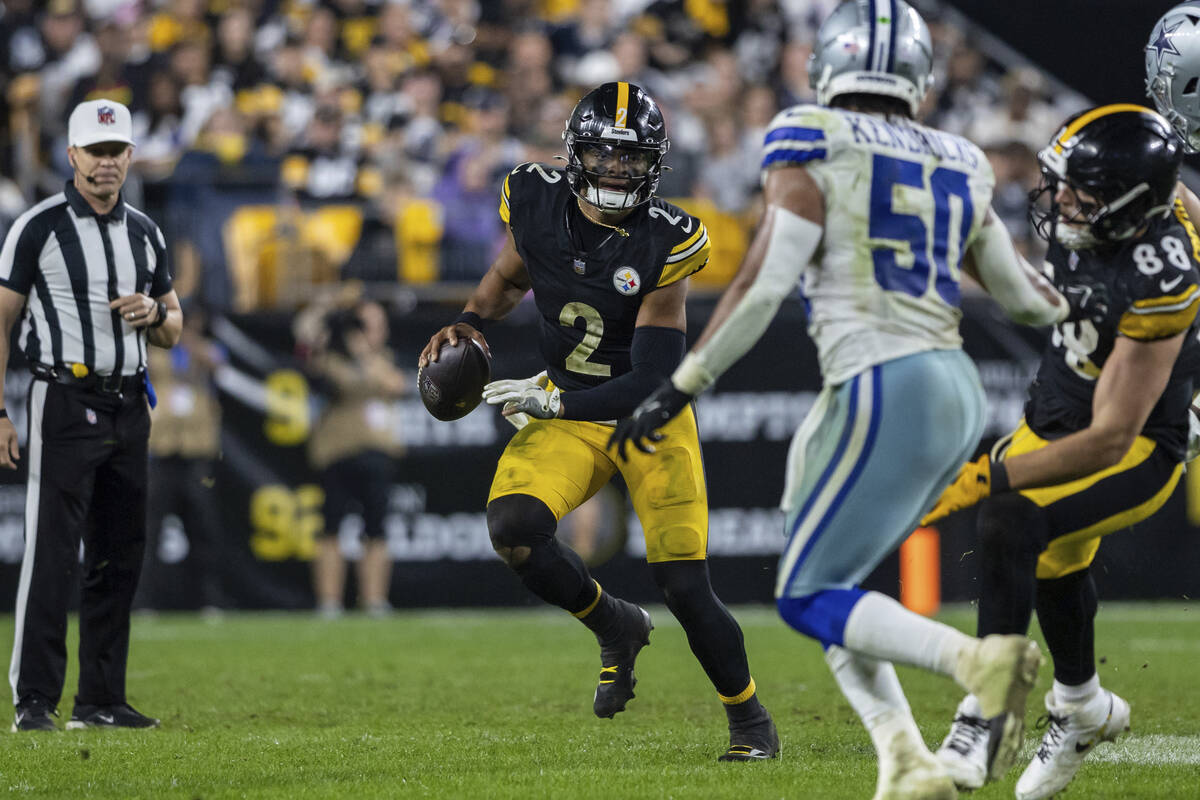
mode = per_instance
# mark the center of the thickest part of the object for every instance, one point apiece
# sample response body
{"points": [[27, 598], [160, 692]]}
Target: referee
{"points": [[87, 277]]}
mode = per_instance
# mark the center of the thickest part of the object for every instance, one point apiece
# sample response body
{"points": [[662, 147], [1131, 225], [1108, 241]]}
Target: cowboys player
{"points": [[608, 264], [876, 217], [1103, 440]]}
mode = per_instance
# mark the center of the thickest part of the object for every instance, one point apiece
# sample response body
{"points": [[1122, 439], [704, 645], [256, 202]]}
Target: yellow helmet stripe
{"points": [[622, 115], [1091, 116]]}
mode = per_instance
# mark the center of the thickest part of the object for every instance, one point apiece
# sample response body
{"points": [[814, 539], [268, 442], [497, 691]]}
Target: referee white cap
{"points": [[97, 121]]}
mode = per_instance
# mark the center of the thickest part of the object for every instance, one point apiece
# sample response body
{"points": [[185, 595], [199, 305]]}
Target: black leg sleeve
{"points": [[1012, 533], [554, 573], [1067, 613], [713, 633]]}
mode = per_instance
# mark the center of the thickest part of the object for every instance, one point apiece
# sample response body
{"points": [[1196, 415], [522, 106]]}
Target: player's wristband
{"points": [[162, 315], [3, 413], [470, 318], [999, 478]]}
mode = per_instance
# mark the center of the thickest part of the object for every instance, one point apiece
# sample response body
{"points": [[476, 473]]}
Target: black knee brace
{"points": [[554, 573], [713, 634], [519, 520], [1012, 533]]}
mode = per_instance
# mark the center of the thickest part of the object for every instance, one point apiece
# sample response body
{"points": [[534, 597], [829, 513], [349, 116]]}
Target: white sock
{"points": [[874, 692], [880, 627], [1076, 695]]}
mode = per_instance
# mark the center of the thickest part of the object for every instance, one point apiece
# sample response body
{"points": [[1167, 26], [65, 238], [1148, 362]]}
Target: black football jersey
{"points": [[1154, 293], [588, 300]]}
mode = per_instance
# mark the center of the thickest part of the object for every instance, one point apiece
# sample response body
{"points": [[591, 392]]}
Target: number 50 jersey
{"points": [[902, 204], [589, 302], [1153, 285]]}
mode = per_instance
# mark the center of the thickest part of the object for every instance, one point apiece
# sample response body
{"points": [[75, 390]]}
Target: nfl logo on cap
{"points": [[97, 121]]}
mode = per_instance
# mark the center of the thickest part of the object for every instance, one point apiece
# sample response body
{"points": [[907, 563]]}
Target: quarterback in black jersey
{"points": [[608, 264], [1103, 440]]}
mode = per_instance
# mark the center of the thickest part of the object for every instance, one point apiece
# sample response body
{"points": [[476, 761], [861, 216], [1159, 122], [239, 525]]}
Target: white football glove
{"points": [[524, 396]]}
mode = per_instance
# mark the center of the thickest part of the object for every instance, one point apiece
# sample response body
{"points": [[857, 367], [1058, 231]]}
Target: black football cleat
{"points": [[33, 714], [755, 742], [615, 688], [120, 715]]}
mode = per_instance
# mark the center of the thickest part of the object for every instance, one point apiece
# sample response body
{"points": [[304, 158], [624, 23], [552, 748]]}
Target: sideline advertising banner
{"points": [[270, 502]]}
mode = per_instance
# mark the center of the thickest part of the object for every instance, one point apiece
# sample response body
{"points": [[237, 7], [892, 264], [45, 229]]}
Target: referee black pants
{"points": [[87, 481]]}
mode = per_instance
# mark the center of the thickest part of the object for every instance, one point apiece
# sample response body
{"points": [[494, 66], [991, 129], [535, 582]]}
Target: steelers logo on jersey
{"points": [[627, 281]]}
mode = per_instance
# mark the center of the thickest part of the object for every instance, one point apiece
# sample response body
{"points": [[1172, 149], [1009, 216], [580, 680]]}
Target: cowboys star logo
{"points": [[1162, 43], [627, 281]]}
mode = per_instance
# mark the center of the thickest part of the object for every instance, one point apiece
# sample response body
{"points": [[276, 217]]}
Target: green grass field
{"points": [[474, 704]]}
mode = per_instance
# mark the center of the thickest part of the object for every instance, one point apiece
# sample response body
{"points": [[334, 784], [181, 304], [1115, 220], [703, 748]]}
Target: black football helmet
{"points": [[1125, 156], [616, 140]]}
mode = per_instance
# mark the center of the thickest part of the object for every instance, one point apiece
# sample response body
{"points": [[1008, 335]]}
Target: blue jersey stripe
{"points": [[794, 156], [796, 133], [860, 462], [895, 23], [871, 36]]}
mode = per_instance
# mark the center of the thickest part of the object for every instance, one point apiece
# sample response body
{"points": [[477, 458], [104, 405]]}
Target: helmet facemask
{"points": [[1094, 222], [613, 176], [1161, 89]]}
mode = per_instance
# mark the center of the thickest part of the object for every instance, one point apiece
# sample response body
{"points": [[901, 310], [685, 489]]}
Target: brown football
{"points": [[452, 386]]}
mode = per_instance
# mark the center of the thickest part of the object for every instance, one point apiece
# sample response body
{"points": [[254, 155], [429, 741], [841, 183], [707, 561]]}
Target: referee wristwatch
{"points": [[162, 314]]}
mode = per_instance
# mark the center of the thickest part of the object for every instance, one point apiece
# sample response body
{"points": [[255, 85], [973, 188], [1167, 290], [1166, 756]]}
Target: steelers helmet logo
{"points": [[627, 281]]}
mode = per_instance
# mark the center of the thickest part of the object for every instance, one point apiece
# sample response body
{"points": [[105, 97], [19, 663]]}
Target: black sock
{"points": [[1067, 613], [746, 713], [712, 632], [1012, 533]]}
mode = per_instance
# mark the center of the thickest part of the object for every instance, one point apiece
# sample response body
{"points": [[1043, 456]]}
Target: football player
{"points": [[608, 263], [876, 217], [1104, 436], [1172, 73]]}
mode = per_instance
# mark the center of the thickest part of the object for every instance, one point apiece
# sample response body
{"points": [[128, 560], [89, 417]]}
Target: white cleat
{"points": [[964, 751], [908, 771], [1070, 736], [1000, 671]]}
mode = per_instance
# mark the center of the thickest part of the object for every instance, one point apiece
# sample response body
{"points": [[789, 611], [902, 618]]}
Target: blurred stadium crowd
{"points": [[288, 143]]}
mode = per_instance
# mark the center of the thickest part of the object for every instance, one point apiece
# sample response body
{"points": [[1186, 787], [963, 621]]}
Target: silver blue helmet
{"points": [[879, 47], [1173, 71]]}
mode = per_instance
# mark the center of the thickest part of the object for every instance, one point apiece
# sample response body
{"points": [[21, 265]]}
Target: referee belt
{"points": [[107, 384]]}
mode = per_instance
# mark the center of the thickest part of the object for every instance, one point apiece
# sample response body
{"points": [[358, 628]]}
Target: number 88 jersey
{"points": [[1153, 283], [902, 204]]}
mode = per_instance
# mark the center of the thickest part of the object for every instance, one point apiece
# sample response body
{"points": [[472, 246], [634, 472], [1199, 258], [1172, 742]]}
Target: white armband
{"points": [[1023, 291], [793, 241]]}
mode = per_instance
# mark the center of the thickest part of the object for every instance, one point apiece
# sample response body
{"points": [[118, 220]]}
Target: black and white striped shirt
{"points": [[71, 262]]}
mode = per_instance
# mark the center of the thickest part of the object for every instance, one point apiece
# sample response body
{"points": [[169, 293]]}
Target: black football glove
{"points": [[1088, 301], [655, 411]]}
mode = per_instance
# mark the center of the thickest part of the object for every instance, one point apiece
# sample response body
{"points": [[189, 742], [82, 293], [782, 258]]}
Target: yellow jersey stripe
{"points": [[686, 254], [1162, 317], [504, 194], [691, 240], [622, 116], [1172, 302], [1091, 116], [1186, 221], [686, 263]]}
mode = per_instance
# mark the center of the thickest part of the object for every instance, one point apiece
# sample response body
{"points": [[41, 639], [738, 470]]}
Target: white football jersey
{"points": [[902, 204]]}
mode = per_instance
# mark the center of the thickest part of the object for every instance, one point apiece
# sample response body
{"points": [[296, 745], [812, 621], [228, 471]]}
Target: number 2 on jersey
{"points": [[577, 361], [886, 223]]}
